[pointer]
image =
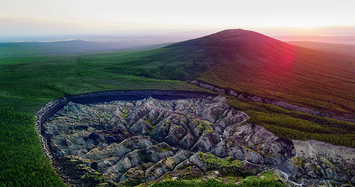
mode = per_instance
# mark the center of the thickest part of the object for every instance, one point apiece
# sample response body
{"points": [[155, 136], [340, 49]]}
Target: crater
{"points": [[133, 137]]}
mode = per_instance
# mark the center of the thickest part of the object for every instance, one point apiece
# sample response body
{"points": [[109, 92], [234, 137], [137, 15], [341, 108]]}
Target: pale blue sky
{"points": [[46, 17]]}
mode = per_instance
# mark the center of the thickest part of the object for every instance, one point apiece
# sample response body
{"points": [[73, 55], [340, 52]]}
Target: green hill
{"points": [[253, 63]]}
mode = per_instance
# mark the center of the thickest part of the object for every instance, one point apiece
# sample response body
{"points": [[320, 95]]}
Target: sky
{"points": [[63, 17]]}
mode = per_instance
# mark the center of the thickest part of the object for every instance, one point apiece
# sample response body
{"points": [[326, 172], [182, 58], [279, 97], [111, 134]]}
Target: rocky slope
{"points": [[136, 141]]}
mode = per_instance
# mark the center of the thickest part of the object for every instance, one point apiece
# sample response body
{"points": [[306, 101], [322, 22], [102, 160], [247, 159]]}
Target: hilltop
{"points": [[256, 64]]}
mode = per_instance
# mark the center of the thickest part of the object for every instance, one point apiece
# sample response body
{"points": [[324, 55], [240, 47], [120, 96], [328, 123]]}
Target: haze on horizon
{"points": [[110, 17]]}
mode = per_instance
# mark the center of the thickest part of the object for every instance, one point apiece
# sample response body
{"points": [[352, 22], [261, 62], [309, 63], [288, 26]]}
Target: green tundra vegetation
{"points": [[209, 158], [21, 156], [267, 179], [296, 125], [304, 77], [309, 78]]}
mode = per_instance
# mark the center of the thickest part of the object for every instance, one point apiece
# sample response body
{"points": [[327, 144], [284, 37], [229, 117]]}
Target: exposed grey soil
{"points": [[138, 140]]}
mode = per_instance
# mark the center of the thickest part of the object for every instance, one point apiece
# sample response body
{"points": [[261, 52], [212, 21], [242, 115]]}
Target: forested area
{"points": [[297, 125], [20, 148]]}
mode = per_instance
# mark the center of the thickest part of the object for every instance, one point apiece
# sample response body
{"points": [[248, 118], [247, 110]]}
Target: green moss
{"points": [[227, 166], [204, 126], [297, 161], [266, 179], [190, 183], [212, 159], [96, 176], [83, 166], [125, 110], [167, 124], [148, 122], [231, 180], [105, 184], [124, 115]]}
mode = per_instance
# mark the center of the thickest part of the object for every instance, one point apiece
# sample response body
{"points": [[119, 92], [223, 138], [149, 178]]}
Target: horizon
{"points": [[174, 36], [39, 18]]}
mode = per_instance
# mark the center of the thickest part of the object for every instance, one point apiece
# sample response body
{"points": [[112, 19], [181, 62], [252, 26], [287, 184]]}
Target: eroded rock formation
{"points": [[136, 141]]}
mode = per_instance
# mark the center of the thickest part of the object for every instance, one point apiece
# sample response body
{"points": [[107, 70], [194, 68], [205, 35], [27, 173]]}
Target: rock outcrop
{"points": [[140, 140], [119, 136]]}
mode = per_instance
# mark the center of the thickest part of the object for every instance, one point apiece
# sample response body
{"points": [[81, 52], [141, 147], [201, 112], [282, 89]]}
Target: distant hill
{"points": [[27, 49], [340, 49], [331, 39], [257, 64]]}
